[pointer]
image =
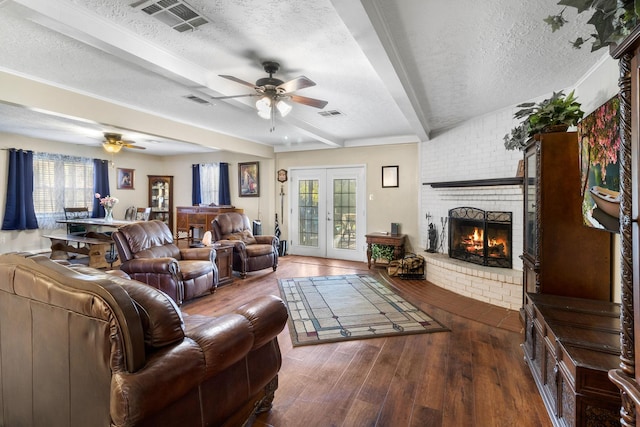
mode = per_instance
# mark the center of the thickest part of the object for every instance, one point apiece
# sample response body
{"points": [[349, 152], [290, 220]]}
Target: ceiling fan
{"points": [[113, 143], [273, 93]]}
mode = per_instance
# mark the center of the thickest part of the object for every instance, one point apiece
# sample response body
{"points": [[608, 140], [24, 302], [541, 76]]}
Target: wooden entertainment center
{"points": [[571, 327]]}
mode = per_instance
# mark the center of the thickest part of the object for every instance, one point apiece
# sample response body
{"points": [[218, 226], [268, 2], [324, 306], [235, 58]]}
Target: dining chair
{"points": [[143, 214], [130, 213], [76, 213]]}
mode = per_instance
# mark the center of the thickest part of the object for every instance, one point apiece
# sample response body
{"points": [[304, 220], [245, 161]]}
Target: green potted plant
{"points": [[551, 115], [612, 20], [382, 252]]}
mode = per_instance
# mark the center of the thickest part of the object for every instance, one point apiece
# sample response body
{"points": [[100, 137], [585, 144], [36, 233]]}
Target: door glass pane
{"points": [[344, 214], [308, 213], [530, 223]]}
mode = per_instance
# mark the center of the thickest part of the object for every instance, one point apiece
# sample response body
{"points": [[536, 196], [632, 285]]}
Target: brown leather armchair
{"points": [[81, 347], [148, 254], [250, 253]]}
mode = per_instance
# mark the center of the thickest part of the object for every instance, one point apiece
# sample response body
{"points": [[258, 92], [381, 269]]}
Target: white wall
{"points": [[475, 150]]}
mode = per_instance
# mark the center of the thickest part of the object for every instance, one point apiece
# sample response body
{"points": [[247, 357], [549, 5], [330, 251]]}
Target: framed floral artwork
{"points": [[599, 144], [249, 179]]}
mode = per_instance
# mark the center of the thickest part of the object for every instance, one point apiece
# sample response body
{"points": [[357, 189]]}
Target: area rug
{"points": [[339, 308]]}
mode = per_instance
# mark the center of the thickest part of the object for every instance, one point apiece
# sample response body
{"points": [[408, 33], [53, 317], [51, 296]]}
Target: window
{"points": [[209, 178], [60, 181]]}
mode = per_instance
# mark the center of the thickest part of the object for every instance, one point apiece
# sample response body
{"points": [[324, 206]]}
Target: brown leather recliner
{"points": [[81, 347], [250, 253], [148, 254]]}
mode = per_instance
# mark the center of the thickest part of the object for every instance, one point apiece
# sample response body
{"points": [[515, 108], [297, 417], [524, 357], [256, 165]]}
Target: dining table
{"points": [[96, 242]]}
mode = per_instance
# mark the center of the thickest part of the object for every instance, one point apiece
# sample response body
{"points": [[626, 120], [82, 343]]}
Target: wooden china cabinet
{"points": [[626, 376], [571, 327], [161, 198], [561, 255]]}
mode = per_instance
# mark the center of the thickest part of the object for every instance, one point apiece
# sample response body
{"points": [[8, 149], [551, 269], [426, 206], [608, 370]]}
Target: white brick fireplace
{"points": [[473, 151]]}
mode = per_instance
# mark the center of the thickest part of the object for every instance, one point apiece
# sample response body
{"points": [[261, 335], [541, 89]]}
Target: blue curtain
{"points": [[196, 192], [224, 193], [100, 185], [19, 212]]}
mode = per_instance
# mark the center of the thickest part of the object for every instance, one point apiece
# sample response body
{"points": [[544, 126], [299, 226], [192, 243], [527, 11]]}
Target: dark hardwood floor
{"points": [[473, 375]]}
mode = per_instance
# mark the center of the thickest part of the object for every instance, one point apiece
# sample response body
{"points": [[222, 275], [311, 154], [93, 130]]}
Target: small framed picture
{"points": [[248, 179], [390, 176], [282, 175], [125, 179]]}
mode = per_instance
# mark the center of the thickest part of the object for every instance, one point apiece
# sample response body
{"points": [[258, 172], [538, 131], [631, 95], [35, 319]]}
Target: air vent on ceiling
{"points": [[175, 13], [330, 113], [197, 99]]}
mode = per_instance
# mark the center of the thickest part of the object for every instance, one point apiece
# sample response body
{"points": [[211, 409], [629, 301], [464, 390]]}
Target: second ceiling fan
{"points": [[273, 93]]}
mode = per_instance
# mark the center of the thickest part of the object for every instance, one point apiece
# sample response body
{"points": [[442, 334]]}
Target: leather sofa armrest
{"points": [[224, 340], [169, 374], [238, 246], [267, 315], [206, 253], [166, 265], [266, 239]]}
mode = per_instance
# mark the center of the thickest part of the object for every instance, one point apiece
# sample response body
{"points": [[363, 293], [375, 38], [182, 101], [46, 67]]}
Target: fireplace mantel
{"points": [[492, 182]]}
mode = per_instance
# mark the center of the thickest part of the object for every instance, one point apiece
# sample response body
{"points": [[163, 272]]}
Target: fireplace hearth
{"points": [[480, 237]]}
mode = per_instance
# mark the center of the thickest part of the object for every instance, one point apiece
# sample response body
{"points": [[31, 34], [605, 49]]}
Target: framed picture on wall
{"points": [[248, 179], [390, 176], [125, 179]]}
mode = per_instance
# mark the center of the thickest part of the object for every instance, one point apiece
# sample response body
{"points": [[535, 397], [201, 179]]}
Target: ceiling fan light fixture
{"points": [[284, 108], [265, 114], [111, 148], [263, 104]]}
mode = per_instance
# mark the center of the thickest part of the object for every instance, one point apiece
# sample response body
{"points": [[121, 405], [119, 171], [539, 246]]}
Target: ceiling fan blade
{"points": [[312, 102], [296, 84], [233, 96], [133, 146], [237, 80]]}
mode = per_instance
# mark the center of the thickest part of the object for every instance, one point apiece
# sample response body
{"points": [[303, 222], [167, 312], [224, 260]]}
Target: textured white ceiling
{"points": [[396, 70]]}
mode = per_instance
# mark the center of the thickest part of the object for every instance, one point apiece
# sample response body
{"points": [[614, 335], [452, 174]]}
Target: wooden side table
{"points": [[397, 241], [224, 261]]}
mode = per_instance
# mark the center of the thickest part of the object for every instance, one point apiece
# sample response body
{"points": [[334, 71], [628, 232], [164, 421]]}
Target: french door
{"points": [[328, 213]]}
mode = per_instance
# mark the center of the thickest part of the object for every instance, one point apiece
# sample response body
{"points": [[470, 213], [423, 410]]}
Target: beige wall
{"points": [[260, 208], [384, 205], [31, 240]]}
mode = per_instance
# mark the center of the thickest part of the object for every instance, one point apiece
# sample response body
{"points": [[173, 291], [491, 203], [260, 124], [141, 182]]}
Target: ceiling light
{"points": [[264, 105], [111, 148], [284, 108]]}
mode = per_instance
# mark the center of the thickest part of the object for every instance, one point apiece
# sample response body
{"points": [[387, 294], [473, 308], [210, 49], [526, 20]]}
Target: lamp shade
{"points": [[111, 148], [283, 107], [263, 104]]}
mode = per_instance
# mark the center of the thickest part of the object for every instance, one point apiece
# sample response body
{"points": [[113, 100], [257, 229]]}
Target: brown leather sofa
{"points": [[250, 253], [80, 347], [148, 254]]}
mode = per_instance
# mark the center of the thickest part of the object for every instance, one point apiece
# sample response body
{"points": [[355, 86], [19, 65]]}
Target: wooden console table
{"points": [[397, 241], [199, 217]]}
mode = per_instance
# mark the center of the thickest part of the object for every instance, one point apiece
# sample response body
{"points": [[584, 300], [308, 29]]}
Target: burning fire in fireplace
{"points": [[497, 246], [480, 237]]}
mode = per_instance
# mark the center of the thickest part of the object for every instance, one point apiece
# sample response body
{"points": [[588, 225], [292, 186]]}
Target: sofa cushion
{"points": [[161, 319], [257, 250], [244, 235], [164, 251], [193, 269]]}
